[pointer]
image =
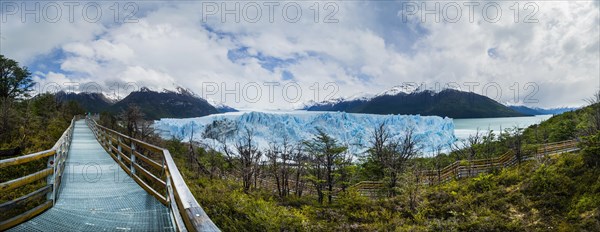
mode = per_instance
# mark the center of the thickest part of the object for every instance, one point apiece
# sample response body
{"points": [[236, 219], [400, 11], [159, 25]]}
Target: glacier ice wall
{"points": [[352, 130]]}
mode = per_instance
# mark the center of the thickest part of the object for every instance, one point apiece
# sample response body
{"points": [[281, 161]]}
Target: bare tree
{"points": [[194, 157], [438, 162], [146, 130], [472, 142], [468, 148], [286, 155], [402, 150], [249, 155], [280, 155], [488, 143], [132, 117], [380, 144], [392, 154], [413, 185], [300, 159], [272, 155]]}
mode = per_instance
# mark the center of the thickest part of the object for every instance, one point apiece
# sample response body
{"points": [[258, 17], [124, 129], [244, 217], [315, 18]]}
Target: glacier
{"points": [[351, 130]]}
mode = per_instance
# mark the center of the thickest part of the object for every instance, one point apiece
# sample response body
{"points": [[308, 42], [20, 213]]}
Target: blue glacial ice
{"points": [[352, 130]]}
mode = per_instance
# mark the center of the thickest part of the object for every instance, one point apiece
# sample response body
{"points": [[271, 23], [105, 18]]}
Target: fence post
{"points": [[102, 137], [51, 179], [109, 140], [119, 149], [132, 165], [167, 190]]}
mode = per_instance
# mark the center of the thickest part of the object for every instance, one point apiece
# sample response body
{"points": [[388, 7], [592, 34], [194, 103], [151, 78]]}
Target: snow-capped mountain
{"points": [[361, 96], [411, 98], [353, 130], [221, 107], [90, 102], [180, 102], [405, 88]]}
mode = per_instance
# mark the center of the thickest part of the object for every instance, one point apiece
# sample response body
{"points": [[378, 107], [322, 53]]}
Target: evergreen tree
{"points": [[15, 83], [326, 157]]}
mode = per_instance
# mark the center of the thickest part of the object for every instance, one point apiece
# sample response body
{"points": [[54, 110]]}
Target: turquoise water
{"points": [[465, 127]]}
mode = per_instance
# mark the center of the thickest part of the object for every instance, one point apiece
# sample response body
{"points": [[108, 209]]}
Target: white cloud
{"points": [[25, 41], [370, 49]]}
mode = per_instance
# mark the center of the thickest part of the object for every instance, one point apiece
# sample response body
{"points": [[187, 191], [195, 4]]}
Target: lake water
{"points": [[465, 127]]}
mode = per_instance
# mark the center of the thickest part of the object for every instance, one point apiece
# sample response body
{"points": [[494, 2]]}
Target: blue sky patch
{"points": [[287, 76], [49, 62], [267, 62], [493, 53]]}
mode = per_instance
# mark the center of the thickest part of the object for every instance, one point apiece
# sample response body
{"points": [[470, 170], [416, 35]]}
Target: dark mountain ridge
{"points": [[181, 103], [446, 103], [541, 111], [166, 104], [90, 102]]}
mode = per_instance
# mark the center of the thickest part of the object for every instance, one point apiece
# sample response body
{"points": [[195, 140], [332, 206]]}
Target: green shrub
{"points": [[549, 190], [508, 177], [591, 150], [482, 183]]}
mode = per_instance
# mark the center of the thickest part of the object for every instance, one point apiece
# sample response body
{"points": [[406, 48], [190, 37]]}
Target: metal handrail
{"points": [[53, 174], [186, 212]]}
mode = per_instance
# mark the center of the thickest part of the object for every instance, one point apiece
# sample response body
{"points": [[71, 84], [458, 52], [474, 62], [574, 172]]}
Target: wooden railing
{"points": [[155, 171], [466, 168], [57, 156]]}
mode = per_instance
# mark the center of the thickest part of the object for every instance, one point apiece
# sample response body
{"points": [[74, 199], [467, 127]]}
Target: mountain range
{"points": [[90, 102], [403, 99], [540, 111], [411, 99], [181, 103]]}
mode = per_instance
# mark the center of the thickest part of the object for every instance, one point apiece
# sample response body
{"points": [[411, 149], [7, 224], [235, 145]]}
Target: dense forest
{"points": [[309, 186]]}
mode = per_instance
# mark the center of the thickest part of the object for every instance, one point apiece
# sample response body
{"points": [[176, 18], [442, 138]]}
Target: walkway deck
{"points": [[97, 195]]}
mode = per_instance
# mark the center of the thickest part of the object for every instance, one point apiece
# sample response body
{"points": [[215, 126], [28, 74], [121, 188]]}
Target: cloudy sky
{"points": [[278, 54]]}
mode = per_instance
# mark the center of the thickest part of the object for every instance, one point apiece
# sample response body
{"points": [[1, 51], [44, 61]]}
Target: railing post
{"points": [[59, 156], [101, 136], [119, 141], [132, 165], [168, 191], [165, 173], [51, 179], [105, 137], [56, 174], [109, 140]]}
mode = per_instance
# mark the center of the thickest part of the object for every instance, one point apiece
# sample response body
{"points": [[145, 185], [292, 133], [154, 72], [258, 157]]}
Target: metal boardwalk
{"points": [[97, 195]]}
